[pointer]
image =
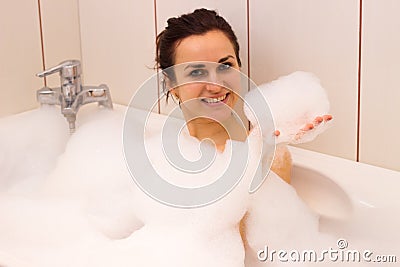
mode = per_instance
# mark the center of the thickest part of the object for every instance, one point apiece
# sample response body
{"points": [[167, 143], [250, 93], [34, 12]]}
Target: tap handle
{"points": [[67, 69]]}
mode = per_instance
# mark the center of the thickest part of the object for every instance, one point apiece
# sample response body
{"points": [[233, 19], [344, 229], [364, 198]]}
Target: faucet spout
{"points": [[71, 118]]}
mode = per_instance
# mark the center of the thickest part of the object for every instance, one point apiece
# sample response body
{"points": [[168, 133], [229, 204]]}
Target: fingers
{"points": [[318, 120], [307, 127], [327, 117], [310, 126]]}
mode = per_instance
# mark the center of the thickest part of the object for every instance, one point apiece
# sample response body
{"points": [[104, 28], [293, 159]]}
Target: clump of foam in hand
{"points": [[294, 100]]}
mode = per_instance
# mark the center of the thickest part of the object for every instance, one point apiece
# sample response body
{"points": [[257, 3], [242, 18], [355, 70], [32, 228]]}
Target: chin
{"points": [[221, 116]]}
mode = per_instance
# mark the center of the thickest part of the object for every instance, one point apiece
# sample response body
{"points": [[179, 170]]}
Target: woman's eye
{"points": [[224, 66], [198, 72]]}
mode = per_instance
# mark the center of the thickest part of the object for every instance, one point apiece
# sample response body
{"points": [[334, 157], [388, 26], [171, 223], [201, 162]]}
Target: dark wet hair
{"points": [[198, 22]]}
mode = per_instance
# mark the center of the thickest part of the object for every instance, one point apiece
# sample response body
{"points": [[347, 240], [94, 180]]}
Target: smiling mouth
{"points": [[215, 99]]}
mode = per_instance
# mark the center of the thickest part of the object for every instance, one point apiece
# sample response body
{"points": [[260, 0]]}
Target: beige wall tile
{"points": [[20, 55], [235, 12], [61, 35], [117, 40], [380, 90], [316, 36]]}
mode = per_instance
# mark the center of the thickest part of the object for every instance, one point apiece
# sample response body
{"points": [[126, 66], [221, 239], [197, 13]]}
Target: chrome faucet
{"points": [[72, 95]]}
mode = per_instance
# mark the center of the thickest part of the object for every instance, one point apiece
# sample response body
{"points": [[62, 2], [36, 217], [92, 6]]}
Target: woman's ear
{"points": [[167, 84], [175, 92], [169, 87]]}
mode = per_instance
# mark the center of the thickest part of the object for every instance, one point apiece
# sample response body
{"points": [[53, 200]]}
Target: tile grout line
{"points": [[359, 80], [156, 67], [248, 50], [41, 39], [80, 35], [248, 38]]}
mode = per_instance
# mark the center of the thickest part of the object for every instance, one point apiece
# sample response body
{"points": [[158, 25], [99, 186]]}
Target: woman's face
{"points": [[207, 75]]}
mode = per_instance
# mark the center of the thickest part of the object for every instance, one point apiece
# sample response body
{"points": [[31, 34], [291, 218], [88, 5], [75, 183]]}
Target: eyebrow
{"points": [[203, 65], [225, 58], [195, 66]]}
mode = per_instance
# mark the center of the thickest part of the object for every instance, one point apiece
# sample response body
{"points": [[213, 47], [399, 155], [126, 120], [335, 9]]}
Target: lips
{"points": [[215, 100]]}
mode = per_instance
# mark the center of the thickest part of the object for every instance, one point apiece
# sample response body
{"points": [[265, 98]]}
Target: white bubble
{"points": [[295, 100]]}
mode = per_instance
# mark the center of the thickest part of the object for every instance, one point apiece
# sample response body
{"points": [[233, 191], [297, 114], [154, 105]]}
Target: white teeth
{"points": [[214, 100]]}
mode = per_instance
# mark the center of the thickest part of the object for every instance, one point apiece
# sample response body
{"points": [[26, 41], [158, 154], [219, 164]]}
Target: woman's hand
{"points": [[319, 120]]}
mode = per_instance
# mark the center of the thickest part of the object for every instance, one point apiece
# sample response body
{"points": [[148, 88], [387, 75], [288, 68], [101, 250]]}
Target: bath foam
{"points": [[205, 236], [172, 167], [7, 260], [92, 171], [44, 232], [295, 100], [189, 236], [107, 207], [279, 219], [30, 143]]}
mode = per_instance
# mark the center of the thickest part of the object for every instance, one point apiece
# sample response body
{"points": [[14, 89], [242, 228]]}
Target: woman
{"points": [[199, 55], [204, 36]]}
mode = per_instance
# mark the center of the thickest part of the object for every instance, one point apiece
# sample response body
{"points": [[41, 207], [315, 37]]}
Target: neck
{"points": [[219, 133]]}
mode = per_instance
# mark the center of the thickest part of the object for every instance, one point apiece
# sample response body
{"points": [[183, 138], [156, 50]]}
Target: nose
{"points": [[213, 88], [214, 80]]}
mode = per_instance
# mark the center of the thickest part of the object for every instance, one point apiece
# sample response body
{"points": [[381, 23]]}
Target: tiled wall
{"points": [[380, 84], [20, 56], [115, 41], [117, 44], [316, 36], [60, 31]]}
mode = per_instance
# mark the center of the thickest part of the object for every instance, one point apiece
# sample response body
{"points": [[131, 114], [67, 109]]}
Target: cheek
{"points": [[190, 91], [234, 99]]}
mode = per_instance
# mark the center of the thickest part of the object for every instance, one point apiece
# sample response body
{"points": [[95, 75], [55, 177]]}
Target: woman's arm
{"points": [[282, 163]]}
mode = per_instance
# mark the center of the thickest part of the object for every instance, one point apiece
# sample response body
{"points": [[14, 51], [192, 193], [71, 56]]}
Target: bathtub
{"points": [[357, 201]]}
